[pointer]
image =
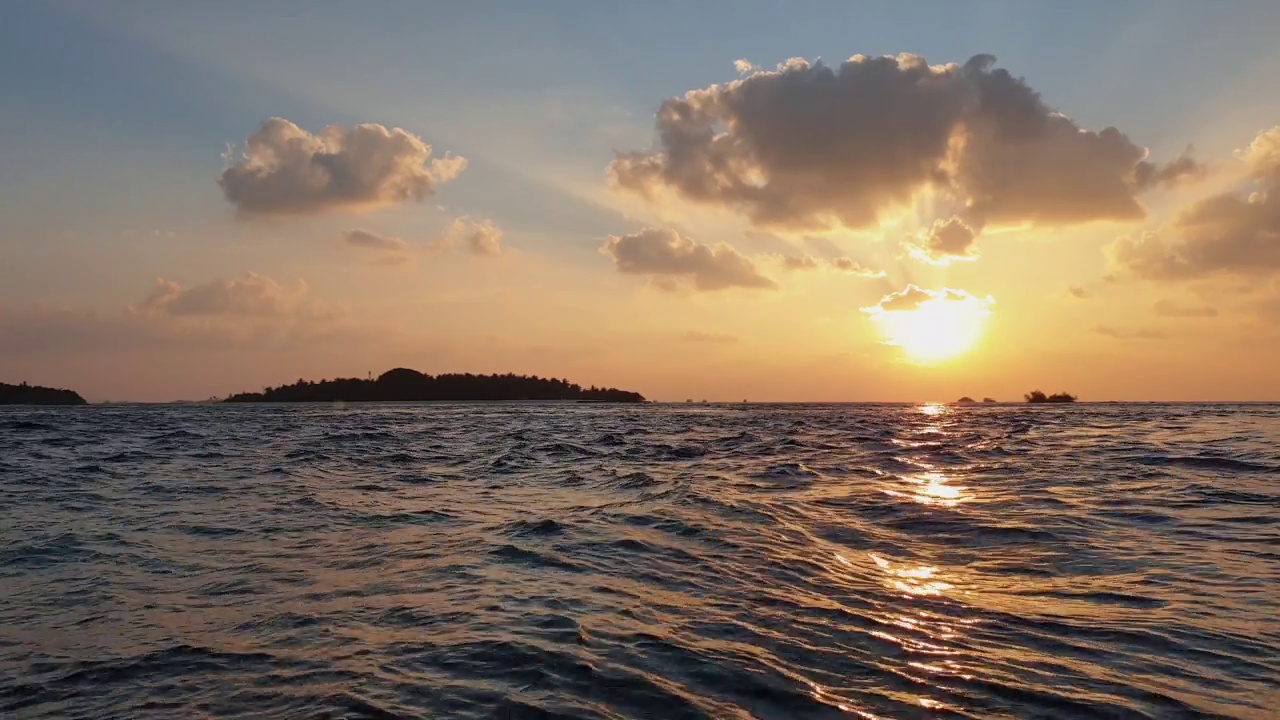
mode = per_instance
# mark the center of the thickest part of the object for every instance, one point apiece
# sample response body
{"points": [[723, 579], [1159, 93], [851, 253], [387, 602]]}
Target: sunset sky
{"points": [[772, 201]]}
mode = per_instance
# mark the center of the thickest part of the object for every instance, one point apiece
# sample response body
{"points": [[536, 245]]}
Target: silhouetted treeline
{"points": [[1035, 396], [403, 384], [25, 394]]}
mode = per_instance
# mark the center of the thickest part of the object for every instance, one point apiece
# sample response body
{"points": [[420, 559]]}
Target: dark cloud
{"points": [[947, 241], [1129, 334], [807, 147], [285, 170], [697, 336], [1168, 308], [1079, 292], [912, 297], [663, 253], [1183, 169], [1225, 234]]}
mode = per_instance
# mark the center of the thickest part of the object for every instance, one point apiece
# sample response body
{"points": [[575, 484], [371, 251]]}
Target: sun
{"points": [[941, 327]]}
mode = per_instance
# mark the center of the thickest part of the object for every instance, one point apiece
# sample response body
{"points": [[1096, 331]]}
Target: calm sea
{"points": [[658, 561]]}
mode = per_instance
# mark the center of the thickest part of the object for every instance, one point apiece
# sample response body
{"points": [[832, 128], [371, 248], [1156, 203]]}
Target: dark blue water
{"points": [[581, 561]]}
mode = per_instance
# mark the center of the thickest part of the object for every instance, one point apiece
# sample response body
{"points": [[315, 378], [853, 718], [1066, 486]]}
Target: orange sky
{"points": [[765, 230]]}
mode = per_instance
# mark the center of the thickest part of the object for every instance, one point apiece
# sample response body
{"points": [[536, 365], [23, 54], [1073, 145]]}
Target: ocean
{"points": [[640, 561]]}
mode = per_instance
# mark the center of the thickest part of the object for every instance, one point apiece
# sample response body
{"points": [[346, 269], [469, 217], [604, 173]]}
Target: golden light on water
{"points": [[911, 580]]}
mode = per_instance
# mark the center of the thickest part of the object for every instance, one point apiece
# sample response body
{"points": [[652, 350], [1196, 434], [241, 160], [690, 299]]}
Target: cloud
{"points": [[913, 297], [250, 312], [373, 241], [1224, 234], [1129, 334], [850, 265], [252, 295], [843, 264], [1181, 170], [393, 252], [1166, 308], [665, 254], [697, 336], [477, 236], [946, 242], [799, 262], [807, 147], [743, 66], [1079, 292], [285, 170]]}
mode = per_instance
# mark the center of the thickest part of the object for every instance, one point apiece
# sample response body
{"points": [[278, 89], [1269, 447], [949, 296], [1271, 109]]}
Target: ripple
{"points": [[576, 561]]}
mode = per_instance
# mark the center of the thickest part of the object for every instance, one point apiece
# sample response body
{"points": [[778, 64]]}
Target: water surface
{"points": [[588, 561]]}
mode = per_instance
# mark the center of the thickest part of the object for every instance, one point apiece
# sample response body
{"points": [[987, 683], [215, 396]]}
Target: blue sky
{"points": [[115, 115]]}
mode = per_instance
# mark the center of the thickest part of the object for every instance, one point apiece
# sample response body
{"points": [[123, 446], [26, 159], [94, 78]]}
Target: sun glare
{"points": [[935, 330]]}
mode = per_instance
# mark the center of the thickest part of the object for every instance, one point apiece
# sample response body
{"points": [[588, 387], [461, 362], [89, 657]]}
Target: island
{"points": [[1035, 396], [25, 394], [403, 384], [966, 400], [988, 400]]}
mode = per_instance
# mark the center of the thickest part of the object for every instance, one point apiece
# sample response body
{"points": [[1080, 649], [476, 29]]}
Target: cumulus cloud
{"points": [[1129, 334], [807, 147], [476, 236], [697, 336], [1167, 308], [285, 170], [1224, 234], [1079, 292], [913, 297], [743, 66], [666, 255], [946, 242], [252, 295]]}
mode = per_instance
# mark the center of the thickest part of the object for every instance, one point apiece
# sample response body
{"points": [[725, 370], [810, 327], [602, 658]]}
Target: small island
{"points": [[1035, 396], [25, 394], [989, 400], [403, 384], [966, 400]]}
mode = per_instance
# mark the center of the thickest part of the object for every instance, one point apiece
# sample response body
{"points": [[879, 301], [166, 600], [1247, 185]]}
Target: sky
{"points": [[804, 201]]}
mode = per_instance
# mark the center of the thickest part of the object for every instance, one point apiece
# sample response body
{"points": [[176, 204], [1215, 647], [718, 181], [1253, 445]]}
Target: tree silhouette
{"points": [[25, 394], [1036, 396], [403, 384]]}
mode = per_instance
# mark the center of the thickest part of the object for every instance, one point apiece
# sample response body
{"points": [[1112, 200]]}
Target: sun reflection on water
{"points": [[931, 488], [912, 580]]}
